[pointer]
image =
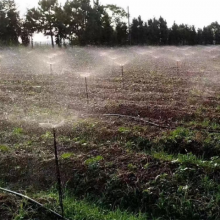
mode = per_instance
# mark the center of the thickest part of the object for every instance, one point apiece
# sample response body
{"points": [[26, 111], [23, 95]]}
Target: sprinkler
{"points": [[51, 68], [122, 76], [32, 43], [156, 67], [58, 173], [156, 63], [177, 66], [112, 64], [87, 94], [85, 75], [59, 185]]}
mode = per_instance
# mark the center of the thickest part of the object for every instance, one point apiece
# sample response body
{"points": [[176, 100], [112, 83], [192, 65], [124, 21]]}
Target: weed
{"points": [[4, 149], [132, 167], [18, 131], [82, 209], [124, 130], [93, 162], [184, 141], [67, 155], [47, 136]]}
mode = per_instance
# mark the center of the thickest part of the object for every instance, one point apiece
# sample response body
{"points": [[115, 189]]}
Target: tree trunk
{"points": [[51, 35]]}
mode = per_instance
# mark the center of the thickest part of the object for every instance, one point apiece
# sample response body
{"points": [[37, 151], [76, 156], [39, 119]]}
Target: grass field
{"points": [[161, 163]]}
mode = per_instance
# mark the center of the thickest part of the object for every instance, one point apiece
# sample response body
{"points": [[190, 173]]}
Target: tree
{"points": [[93, 32], [192, 36], [174, 36], [117, 14], [199, 39], [215, 27], [32, 21], [117, 17], [25, 35], [60, 28], [141, 31], [121, 33], [135, 31], [76, 16], [163, 31], [107, 30], [46, 11], [207, 35], [9, 22], [153, 31]]}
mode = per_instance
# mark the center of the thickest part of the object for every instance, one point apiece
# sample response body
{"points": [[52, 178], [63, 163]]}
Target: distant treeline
{"points": [[82, 22]]}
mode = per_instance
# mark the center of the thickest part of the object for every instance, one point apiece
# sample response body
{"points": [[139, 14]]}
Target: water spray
{"points": [[112, 64], [59, 185], [156, 63]]}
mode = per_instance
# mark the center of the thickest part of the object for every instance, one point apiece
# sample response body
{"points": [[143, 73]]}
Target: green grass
{"points": [[115, 170], [4, 148], [76, 209], [213, 163]]}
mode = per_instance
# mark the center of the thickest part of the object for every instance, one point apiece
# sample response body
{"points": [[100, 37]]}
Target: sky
{"points": [[192, 12]]}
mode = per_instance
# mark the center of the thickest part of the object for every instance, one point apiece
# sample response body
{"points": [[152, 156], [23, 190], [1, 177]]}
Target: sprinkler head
{"points": [[51, 68]]}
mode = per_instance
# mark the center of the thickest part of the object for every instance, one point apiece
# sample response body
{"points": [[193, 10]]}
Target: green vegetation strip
{"points": [[119, 166], [32, 201], [79, 209]]}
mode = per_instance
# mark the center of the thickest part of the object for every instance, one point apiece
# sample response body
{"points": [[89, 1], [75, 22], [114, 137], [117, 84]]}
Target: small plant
{"points": [[132, 167], [130, 145], [22, 211], [94, 161], [18, 131], [124, 130], [67, 155], [4, 149], [47, 136], [146, 166]]}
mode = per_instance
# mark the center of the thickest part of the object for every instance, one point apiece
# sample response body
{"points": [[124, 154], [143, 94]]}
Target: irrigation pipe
{"points": [[33, 202], [138, 119], [159, 126]]}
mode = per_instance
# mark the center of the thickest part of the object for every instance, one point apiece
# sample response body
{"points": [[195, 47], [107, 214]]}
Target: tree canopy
{"points": [[86, 22]]}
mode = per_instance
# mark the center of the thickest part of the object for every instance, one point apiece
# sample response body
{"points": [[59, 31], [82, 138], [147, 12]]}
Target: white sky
{"points": [[193, 12]]}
